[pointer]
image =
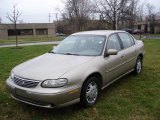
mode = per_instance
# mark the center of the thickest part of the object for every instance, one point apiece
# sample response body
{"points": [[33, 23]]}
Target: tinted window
{"points": [[20, 32], [113, 43], [125, 38]]}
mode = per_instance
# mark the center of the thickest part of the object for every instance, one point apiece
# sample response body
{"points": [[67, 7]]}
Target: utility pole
{"points": [[56, 21], [56, 16], [49, 17]]}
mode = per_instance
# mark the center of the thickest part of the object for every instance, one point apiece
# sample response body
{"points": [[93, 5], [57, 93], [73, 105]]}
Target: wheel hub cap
{"points": [[92, 92], [139, 66]]}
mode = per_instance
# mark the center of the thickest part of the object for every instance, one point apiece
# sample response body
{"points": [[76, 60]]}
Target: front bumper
{"points": [[45, 97]]}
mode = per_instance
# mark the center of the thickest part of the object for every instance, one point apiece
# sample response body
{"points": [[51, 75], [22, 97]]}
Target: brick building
{"points": [[27, 30]]}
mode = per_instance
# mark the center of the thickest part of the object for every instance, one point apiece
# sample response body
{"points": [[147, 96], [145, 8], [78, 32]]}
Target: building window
{"points": [[20, 32], [41, 32], [13, 32], [27, 32]]}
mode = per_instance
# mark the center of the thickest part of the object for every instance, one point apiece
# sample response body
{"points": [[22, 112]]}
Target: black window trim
{"points": [[133, 39], [105, 47], [120, 41]]}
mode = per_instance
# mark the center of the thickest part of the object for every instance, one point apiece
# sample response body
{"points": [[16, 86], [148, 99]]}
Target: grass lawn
{"points": [[154, 34], [27, 40], [130, 98]]}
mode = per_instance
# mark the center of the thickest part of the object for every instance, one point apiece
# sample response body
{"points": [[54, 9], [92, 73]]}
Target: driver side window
{"points": [[113, 43]]}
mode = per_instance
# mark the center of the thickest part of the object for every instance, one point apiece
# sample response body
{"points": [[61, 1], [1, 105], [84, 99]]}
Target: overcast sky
{"points": [[37, 11]]}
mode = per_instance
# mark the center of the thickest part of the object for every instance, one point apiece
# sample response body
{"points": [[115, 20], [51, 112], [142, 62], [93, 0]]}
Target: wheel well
{"points": [[141, 55], [96, 74]]}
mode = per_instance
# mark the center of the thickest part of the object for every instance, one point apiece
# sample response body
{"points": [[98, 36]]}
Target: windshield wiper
{"points": [[70, 54]]}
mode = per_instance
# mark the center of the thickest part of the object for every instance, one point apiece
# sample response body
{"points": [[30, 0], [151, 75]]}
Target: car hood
{"points": [[49, 66]]}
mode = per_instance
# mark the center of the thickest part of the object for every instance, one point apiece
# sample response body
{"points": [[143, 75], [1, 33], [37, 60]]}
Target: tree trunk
{"points": [[114, 20], [15, 27], [114, 25]]}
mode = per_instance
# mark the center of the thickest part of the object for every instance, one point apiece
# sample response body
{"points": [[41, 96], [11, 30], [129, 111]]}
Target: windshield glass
{"points": [[88, 45]]}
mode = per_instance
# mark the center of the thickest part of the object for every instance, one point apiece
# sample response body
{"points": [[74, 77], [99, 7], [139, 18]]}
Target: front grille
{"points": [[25, 82]]}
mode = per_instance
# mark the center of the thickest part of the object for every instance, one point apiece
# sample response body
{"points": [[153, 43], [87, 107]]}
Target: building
{"points": [[148, 27], [151, 25], [27, 30]]}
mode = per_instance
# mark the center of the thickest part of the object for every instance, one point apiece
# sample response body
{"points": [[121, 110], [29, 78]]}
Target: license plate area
{"points": [[20, 92], [24, 96]]}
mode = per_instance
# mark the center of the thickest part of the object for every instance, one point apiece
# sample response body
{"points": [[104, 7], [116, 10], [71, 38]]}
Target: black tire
{"points": [[86, 100], [138, 66]]}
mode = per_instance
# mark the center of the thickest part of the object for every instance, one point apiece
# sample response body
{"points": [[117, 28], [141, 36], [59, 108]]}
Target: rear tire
{"points": [[90, 92], [138, 66]]}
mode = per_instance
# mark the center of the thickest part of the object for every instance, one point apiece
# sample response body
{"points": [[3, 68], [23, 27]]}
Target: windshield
{"points": [[87, 45]]}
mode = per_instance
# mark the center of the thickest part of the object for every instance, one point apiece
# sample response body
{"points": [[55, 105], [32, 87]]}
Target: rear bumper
{"points": [[44, 98]]}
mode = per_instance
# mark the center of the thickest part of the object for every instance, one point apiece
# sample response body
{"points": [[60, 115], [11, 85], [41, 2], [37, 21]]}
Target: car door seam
{"points": [[115, 67]]}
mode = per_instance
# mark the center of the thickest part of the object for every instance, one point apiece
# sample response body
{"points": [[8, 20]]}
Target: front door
{"points": [[114, 63]]}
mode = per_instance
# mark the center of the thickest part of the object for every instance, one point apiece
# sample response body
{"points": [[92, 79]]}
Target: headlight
{"points": [[12, 75], [54, 83]]}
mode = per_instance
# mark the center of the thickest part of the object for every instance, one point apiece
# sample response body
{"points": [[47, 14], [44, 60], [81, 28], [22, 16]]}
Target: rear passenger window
{"points": [[126, 40], [113, 43]]}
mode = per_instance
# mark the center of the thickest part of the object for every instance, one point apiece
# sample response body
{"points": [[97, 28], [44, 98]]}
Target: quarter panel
{"points": [[130, 58]]}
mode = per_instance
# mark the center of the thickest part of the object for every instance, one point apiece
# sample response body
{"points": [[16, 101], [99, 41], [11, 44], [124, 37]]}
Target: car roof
{"points": [[98, 32]]}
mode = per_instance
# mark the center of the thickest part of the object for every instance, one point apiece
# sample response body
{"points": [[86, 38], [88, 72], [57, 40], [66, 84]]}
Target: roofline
{"points": [[105, 32]]}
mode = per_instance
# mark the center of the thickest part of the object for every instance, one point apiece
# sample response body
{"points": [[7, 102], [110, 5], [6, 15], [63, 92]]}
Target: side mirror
{"points": [[111, 52]]}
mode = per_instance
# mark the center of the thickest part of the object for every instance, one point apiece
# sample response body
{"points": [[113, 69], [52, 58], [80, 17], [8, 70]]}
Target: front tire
{"points": [[138, 66], [90, 92]]}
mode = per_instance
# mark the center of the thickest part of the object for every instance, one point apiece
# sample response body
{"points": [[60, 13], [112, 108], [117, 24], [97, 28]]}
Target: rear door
{"points": [[129, 50]]}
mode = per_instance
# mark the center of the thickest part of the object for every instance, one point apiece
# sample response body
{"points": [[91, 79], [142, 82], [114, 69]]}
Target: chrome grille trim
{"points": [[23, 82]]}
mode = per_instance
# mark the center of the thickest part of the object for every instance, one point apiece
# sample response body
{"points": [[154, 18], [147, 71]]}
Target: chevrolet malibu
{"points": [[77, 70]]}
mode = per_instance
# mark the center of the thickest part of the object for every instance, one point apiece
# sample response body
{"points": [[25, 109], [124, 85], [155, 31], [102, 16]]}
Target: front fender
{"points": [[81, 73]]}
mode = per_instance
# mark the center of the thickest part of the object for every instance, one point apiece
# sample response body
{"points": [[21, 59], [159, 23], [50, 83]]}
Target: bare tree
{"points": [[141, 11], [120, 13], [77, 12], [109, 13], [132, 12], [13, 17], [112, 10], [151, 17], [150, 8]]}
